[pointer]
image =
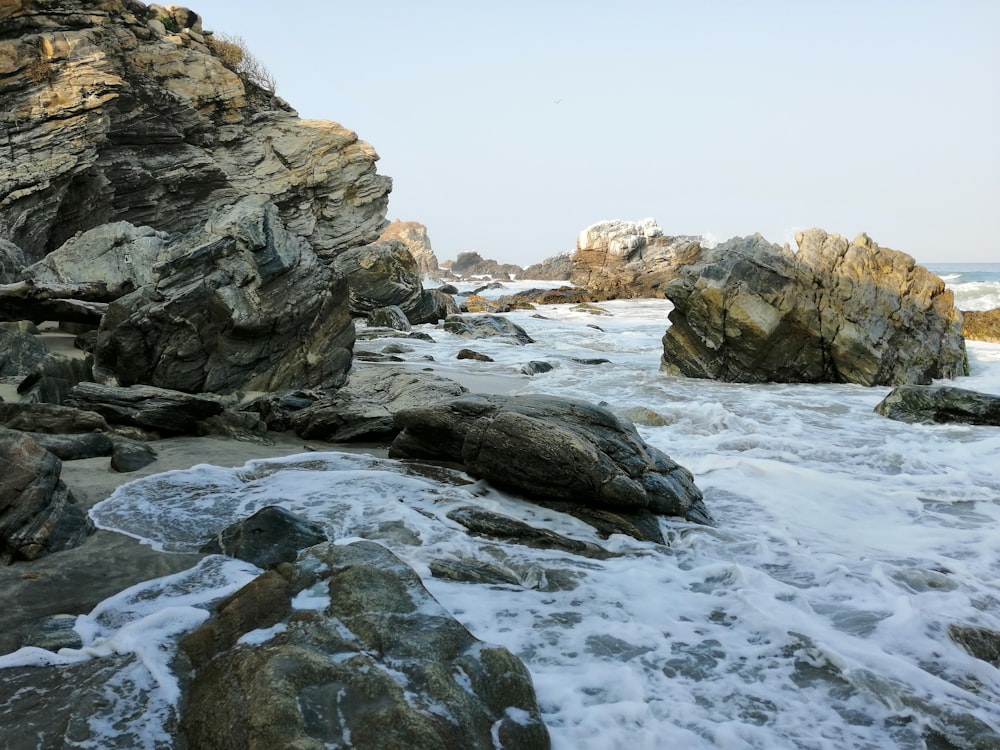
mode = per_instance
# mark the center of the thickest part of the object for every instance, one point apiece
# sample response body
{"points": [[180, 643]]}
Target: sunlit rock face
{"points": [[836, 311], [628, 259], [413, 234], [109, 116]]}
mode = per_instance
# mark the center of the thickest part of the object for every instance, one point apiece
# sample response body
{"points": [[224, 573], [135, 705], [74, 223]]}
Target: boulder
{"points": [[131, 455], [53, 419], [51, 380], [473, 354], [557, 268], [940, 403], [981, 325], [38, 514], [269, 537], [11, 262], [377, 660], [561, 295], [275, 410], [118, 123], [629, 259], [247, 304], [389, 317], [414, 236], [550, 449], [383, 274], [487, 327], [170, 412], [365, 408], [836, 311], [119, 254], [76, 445]]}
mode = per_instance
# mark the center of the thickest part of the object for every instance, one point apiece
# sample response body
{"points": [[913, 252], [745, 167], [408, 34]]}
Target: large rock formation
{"points": [[836, 311], [241, 303], [629, 259], [981, 325], [414, 236], [377, 663], [471, 263], [108, 117], [557, 268]]}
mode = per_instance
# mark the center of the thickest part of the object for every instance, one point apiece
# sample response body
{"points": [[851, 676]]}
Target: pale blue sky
{"points": [[509, 127]]}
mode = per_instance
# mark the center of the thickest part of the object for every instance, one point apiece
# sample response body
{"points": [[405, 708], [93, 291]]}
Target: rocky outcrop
{"points": [[940, 403], [836, 311], [377, 663], [551, 448], [471, 263], [109, 116], [11, 262], [414, 236], [244, 303], [169, 412], [981, 325], [557, 268], [386, 274], [38, 514], [365, 408], [629, 259]]}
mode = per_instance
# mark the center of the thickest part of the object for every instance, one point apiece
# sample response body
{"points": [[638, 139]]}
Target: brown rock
{"points": [[414, 236]]}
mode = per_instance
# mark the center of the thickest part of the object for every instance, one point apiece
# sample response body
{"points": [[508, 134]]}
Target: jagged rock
{"points": [[444, 304], [981, 325], [384, 274], [75, 446], [981, 643], [486, 523], [119, 254], [52, 419], [246, 305], [50, 382], [144, 406], [276, 409], [20, 352], [83, 303], [365, 408], [414, 236], [590, 360], [11, 262], [376, 663], [487, 326], [269, 537], [750, 311], [562, 295], [940, 403], [629, 259], [38, 514], [472, 354], [557, 268], [476, 304], [236, 425], [552, 449], [369, 334], [391, 316], [471, 263], [131, 455], [109, 120], [535, 367]]}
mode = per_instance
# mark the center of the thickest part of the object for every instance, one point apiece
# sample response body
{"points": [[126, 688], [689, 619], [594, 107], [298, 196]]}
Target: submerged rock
{"points": [[750, 311], [940, 403], [487, 326], [377, 660], [269, 537], [551, 449]]}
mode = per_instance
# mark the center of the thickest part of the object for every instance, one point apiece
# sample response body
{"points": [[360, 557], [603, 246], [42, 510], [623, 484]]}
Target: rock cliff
{"points": [[629, 259], [835, 311], [109, 116]]}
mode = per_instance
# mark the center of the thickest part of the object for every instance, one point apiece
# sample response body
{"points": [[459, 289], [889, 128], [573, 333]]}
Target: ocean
{"points": [[814, 614]]}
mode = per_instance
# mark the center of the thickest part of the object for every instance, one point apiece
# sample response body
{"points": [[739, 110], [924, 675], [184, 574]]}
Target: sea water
{"points": [[814, 614]]}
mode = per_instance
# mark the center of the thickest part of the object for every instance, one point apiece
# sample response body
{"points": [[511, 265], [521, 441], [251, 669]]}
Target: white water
{"points": [[814, 615]]}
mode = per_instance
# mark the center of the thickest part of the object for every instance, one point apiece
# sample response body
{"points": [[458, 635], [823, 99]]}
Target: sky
{"points": [[510, 127]]}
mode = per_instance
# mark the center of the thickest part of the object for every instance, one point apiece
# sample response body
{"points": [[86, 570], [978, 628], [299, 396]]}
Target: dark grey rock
{"points": [[20, 352], [940, 403], [275, 410], [131, 455], [487, 326], [53, 378], [474, 355], [53, 633], [38, 513], [551, 449], [145, 406], [270, 536], [591, 361], [378, 663], [391, 316], [536, 367], [365, 408], [473, 571], [75, 446], [486, 523], [53, 419], [11, 262]]}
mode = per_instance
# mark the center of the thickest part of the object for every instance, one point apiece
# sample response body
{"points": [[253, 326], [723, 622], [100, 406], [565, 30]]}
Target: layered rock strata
{"points": [[414, 235]]}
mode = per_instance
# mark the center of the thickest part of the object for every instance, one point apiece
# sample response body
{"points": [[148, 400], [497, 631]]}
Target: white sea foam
{"points": [[813, 615]]}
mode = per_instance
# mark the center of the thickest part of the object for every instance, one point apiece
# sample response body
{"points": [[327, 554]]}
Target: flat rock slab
{"points": [[145, 406]]}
